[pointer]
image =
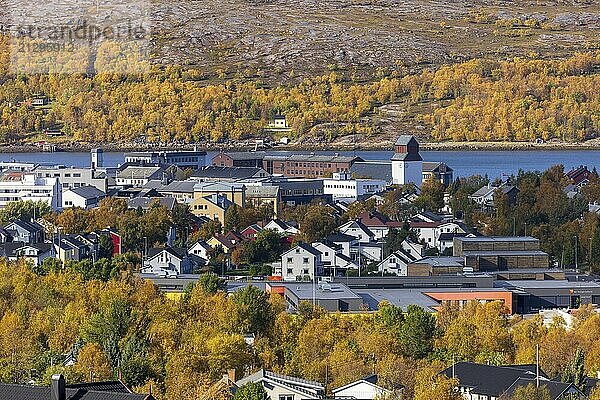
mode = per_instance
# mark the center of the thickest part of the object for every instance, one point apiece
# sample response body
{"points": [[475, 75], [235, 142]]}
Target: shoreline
{"points": [[381, 146]]}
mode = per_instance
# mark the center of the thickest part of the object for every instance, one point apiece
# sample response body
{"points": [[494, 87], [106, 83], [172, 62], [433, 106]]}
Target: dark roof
{"points": [[88, 192], [407, 157], [555, 388], [308, 248], [74, 392], [29, 226], [178, 252], [489, 380], [340, 237], [431, 166], [245, 155]]}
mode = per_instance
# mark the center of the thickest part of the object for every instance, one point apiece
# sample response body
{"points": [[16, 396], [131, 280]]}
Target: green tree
{"points": [[251, 391], [418, 332], [211, 283], [24, 210], [254, 311], [432, 196], [232, 218]]}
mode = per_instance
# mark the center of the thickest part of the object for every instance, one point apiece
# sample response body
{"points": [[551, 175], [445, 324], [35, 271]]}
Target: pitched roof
{"points": [[404, 140], [303, 387], [372, 379], [489, 380], [381, 170], [340, 237], [555, 388], [29, 226], [74, 392], [178, 252], [135, 172], [306, 247]]}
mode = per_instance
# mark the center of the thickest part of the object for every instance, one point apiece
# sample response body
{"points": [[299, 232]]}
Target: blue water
{"points": [[464, 163]]}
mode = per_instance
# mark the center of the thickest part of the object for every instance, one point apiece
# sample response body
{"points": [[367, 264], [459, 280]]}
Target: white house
{"points": [[200, 249], [301, 263], [281, 227], [35, 253], [83, 197], [333, 259], [407, 164], [342, 187], [19, 186], [358, 230], [138, 176], [397, 263], [168, 262], [429, 232], [362, 389]]}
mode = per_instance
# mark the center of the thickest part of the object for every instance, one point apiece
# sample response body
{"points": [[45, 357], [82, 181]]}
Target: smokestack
{"points": [[58, 390]]}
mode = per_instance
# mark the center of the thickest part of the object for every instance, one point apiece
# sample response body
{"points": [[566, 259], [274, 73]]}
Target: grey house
{"points": [[25, 231]]}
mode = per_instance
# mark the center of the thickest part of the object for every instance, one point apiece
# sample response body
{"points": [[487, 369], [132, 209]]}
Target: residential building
{"points": [[234, 192], [407, 164], [485, 195], [487, 382], [342, 187], [362, 389], [438, 171], [251, 232], [301, 263], [21, 186], [200, 249], [358, 230], [168, 261], [213, 206], [182, 191], [579, 176], [282, 387], [429, 232], [284, 228], [24, 231], [72, 177], [139, 175], [264, 196], [335, 263], [397, 263], [34, 253], [346, 242], [59, 390], [72, 248], [193, 159], [83, 197], [227, 242], [378, 223]]}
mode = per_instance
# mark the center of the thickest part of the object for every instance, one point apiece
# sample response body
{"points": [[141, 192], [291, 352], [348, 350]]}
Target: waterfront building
{"points": [[342, 187], [183, 159], [20, 186], [407, 164]]}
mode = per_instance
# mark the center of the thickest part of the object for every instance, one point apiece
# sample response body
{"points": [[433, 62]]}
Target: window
{"points": [[286, 397], [290, 260], [305, 260], [290, 271]]}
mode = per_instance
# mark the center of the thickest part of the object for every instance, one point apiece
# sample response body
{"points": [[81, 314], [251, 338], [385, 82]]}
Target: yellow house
{"points": [[234, 192], [212, 206]]}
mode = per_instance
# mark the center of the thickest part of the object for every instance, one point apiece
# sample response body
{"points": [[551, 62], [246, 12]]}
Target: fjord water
{"points": [[464, 163]]}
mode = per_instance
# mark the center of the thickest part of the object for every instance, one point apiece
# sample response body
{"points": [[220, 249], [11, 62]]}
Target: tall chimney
{"points": [[58, 390]]}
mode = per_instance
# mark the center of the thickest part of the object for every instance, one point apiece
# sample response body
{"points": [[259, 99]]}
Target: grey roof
{"points": [[246, 155], [135, 172], [340, 237], [381, 170], [213, 171], [397, 297], [219, 200], [546, 284], [88, 192], [146, 202], [407, 157], [178, 252], [29, 226], [306, 247], [218, 187], [262, 191], [334, 291], [287, 381], [177, 187], [441, 261], [523, 253], [404, 140], [430, 166]]}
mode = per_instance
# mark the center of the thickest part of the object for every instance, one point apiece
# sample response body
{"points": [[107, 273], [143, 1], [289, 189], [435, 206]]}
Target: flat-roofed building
{"points": [[72, 177], [19, 186], [193, 159]]}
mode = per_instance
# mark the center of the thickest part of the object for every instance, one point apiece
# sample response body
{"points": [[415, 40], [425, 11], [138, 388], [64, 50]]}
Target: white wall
{"points": [[362, 390], [404, 172]]}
